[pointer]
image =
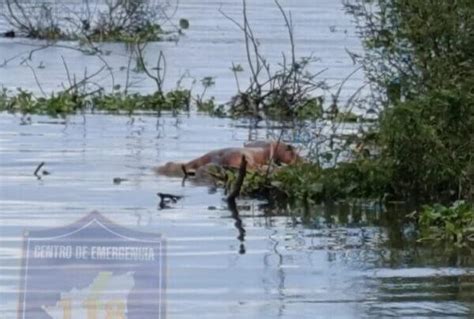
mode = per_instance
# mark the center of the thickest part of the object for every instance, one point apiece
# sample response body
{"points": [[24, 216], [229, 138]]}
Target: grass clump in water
{"points": [[146, 33], [307, 183], [453, 224], [115, 21], [25, 102], [311, 184], [71, 102], [175, 101]]}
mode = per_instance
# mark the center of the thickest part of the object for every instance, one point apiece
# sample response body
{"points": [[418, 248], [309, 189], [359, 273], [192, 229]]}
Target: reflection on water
{"points": [[253, 262], [232, 206]]}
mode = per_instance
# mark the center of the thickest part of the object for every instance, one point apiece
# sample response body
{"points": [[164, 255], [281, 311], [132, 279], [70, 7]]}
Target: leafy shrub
{"points": [[419, 58], [414, 46], [454, 224], [429, 145]]}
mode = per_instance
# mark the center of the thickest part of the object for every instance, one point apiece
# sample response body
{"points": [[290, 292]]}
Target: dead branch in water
{"points": [[240, 180], [160, 68], [166, 198], [283, 92], [186, 174], [272, 154], [38, 169]]}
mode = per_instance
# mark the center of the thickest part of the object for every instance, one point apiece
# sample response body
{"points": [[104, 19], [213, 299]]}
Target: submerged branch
{"points": [[240, 180]]}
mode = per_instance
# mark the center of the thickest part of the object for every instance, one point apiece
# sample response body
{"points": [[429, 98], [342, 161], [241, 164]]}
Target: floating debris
{"points": [[37, 170], [119, 180], [165, 199]]}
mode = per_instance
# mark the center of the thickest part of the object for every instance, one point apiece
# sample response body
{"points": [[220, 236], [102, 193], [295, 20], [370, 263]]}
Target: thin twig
{"points": [[67, 71], [36, 78]]}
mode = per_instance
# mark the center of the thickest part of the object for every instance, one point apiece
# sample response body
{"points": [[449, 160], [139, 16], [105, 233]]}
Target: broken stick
{"points": [[240, 180]]}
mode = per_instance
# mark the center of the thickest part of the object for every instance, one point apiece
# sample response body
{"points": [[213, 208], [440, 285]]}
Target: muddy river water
{"points": [[338, 262]]}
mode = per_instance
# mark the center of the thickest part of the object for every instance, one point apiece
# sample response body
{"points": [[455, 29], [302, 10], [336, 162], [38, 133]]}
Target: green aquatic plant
{"points": [[70, 102], [145, 33], [309, 184], [116, 21], [175, 101], [56, 104], [210, 107], [447, 225]]}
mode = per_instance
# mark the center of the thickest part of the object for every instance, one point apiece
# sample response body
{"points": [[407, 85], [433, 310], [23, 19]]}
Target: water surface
{"points": [[350, 262]]}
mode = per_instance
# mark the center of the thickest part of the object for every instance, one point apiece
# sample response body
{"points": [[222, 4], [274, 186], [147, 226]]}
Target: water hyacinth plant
{"points": [[445, 225]]}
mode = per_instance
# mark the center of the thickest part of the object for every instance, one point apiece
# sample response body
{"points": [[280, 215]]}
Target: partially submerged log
{"points": [[239, 181]]}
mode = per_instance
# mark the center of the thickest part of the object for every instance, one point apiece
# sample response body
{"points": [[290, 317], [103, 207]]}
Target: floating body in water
{"points": [[258, 154]]}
